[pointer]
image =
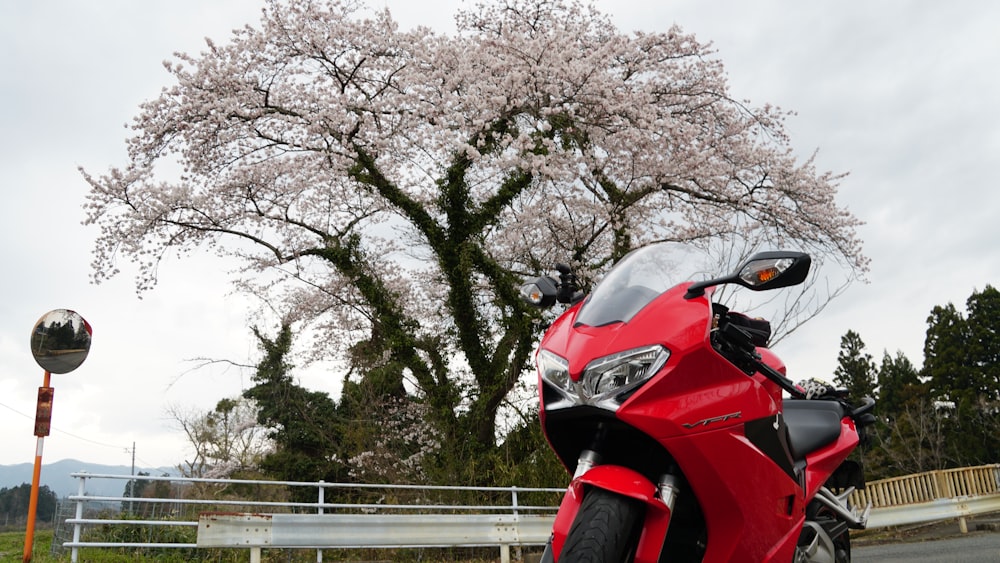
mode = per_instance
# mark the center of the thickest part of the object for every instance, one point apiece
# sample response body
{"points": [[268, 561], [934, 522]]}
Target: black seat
{"points": [[812, 424]]}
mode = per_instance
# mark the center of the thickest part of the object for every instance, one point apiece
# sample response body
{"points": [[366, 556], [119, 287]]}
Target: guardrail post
{"points": [[513, 505], [319, 510], [81, 488]]}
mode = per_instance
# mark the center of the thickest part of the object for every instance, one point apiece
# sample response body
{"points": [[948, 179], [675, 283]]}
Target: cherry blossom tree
{"points": [[390, 188]]}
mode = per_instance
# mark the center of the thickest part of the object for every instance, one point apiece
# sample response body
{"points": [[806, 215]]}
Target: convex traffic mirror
{"points": [[60, 341]]}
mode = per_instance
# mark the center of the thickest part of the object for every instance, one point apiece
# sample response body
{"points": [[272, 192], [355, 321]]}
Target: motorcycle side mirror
{"points": [[762, 271], [540, 292]]}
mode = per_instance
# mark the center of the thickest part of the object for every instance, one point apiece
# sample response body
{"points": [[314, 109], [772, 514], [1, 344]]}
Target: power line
{"points": [[70, 434]]}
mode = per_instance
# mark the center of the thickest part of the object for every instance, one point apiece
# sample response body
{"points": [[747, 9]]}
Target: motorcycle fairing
{"points": [[696, 392], [748, 512], [770, 435], [695, 407], [824, 462], [581, 344]]}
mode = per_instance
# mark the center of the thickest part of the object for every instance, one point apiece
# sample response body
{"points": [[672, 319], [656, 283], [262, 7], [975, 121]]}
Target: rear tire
{"points": [[843, 548], [605, 529]]}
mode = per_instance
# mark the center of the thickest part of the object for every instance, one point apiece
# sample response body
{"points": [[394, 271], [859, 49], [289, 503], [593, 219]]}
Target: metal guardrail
{"points": [[507, 522], [369, 530], [934, 510], [258, 531], [924, 497]]}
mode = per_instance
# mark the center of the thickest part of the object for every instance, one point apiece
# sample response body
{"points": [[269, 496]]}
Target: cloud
{"points": [[900, 94]]}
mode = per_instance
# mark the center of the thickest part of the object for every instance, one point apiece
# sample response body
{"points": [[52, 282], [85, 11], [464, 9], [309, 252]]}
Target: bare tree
{"points": [[224, 440], [917, 439]]}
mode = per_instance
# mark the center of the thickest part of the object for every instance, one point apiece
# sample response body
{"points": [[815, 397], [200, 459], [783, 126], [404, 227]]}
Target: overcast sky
{"points": [[903, 95]]}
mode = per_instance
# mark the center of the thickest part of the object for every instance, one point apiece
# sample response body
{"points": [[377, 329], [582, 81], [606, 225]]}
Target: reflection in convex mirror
{"points": [[60, 341]]}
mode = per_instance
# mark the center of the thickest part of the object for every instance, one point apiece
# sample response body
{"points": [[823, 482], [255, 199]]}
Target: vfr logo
{"points": [[714, 419]]}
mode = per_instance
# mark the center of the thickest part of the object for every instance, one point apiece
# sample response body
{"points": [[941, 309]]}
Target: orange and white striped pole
{"points": [[43, 421]]}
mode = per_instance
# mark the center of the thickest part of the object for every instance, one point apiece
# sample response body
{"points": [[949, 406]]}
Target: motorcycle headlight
{"points": [[621, 372], [555, 370], [603, 379]]}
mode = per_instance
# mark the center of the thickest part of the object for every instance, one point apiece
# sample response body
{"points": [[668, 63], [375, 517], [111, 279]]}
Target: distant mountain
{"points": [[57, 477]]}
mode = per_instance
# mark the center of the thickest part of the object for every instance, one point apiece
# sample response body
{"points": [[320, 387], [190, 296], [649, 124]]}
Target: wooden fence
{"points": [[932, 485]]}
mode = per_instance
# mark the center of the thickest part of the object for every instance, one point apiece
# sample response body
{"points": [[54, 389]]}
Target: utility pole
{"points": [[131, 502]]}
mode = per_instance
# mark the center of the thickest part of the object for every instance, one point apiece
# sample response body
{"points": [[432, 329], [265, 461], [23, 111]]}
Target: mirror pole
{"points": [[60, 342], [29, 535]]}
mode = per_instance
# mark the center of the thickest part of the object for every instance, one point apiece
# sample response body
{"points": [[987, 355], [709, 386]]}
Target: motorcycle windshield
{"points": [[633, 283]]}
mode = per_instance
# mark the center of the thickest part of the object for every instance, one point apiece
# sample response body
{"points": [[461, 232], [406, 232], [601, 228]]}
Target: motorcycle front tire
{"points": [[605, 529]]}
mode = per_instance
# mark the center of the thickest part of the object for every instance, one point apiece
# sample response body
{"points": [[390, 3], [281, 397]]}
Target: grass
{"points": [[12, 546], [12, 549]]}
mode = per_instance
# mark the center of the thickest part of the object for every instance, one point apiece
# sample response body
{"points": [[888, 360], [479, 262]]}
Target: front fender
{"points": [[621, 480], [626, 482]]}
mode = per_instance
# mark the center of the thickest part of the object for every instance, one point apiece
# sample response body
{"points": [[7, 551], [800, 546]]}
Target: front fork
{"points": [[659, 499]]}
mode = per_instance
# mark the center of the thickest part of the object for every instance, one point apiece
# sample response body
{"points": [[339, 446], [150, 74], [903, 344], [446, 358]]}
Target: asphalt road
{"points": [[974, 548]]}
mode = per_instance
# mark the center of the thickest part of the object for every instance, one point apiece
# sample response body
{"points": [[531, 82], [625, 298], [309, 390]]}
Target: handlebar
{"points": [[569, 289], [738, 347], [746, 357], [863, 415]]}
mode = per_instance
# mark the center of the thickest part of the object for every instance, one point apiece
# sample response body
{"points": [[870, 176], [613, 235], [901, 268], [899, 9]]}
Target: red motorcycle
{"points": [[668, 410]]}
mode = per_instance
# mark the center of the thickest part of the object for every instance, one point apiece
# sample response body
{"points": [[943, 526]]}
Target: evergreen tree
{"points": [[959, 357], [14, 504], [979, 409], [302, 423], [855, 367], [898, 384], [946, 358], [984, 342]]}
